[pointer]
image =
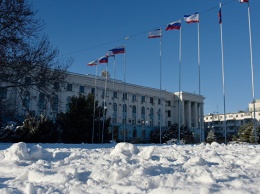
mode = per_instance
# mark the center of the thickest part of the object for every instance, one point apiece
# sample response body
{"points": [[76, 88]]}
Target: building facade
{"points": [[134, 110], [233, 120]]}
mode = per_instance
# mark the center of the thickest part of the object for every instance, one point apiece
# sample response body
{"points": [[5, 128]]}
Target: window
{"points": [[134, 109], [169, 123], [151, 100], [115, 94], [143, 113], [26, 100], [124, 121], [125, 96], [169, 113], [151, 123], [124, 108], [115, 107], [41, 101], [103, 93], [3, 93], [69, 87], [93, 91], [143, 134], [114, 120], [68, 103], [55, 103], [134, 133], [133, 97], [81, 89], [56, 85], [104, 104], [159, 101], [143, 110], [151, 111], [28, 80], [142, 98], [168, 103]]}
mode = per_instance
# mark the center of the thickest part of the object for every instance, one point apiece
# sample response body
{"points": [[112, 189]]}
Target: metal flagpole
{"points": [[160, 86], [200, 107], [125, 89], [223, 75], [179, 110], [104, 105], [252, 70], [94, 109], [114, 64]]}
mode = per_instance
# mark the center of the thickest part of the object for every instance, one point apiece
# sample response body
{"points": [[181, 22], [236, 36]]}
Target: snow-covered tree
{"points": [[246, 133], [211, 136]]}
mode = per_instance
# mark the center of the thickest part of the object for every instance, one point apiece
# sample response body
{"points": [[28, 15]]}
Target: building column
{"points": [[188, 119], [195, 114], [182, 112]]}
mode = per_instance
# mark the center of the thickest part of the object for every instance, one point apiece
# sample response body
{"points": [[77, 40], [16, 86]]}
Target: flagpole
{"points": [[114, 64], [94, 109], [223, 78], [179, 110], [124, 89], [161, 87], [200, 107], [252, 70], [104, 105]]}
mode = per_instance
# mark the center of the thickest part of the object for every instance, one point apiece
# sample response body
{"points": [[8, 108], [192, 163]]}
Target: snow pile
{"points": [[17, 152], [127, 168], [125, 149]]}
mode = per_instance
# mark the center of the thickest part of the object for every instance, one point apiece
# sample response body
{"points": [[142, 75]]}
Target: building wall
{"points": [[233, 120], [129, 124]]}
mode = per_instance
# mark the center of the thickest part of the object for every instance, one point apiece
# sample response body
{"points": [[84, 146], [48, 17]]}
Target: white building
{"points": [[233, 120], [134, 108]]}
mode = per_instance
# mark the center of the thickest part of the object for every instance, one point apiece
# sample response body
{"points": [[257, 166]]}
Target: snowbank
{"points": [[128, 168]]}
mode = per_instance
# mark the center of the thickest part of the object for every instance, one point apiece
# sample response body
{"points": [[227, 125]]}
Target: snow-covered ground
{"points": [[127, 168]]}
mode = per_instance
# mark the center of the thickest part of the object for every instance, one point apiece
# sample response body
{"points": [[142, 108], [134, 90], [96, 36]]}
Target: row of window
{"points": [[115, 95], [142, 109], [229, 116]]}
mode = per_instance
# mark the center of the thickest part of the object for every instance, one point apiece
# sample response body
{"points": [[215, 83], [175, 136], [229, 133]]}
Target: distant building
{"points": [[233, 120], [134, 108]]}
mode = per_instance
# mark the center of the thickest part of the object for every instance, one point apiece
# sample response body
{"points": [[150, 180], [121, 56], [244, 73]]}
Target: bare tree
{"points": [[27, 59]]}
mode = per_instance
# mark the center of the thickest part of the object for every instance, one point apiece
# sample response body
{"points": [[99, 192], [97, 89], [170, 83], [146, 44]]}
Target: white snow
{"points": [[126, 168]]}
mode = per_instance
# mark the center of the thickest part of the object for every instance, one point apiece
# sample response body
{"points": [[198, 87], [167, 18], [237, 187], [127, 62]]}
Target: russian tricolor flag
{"points": [[118, 50], [103, 59], [193, 18], [243, 1], [155, 34], [174, 25], [93, 63], [110, 53]]}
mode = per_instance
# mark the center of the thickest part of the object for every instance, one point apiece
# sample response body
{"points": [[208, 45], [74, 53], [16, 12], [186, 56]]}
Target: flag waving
{"points": [[174, 25], [116, 50], [243, 1], [220, 16], [193, 18], [93, 63], [103, 59], [110, 53], [155, 34]]}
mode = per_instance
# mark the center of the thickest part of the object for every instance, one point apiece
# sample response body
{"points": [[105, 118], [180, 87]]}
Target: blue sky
{"points": [[86, 29]]}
